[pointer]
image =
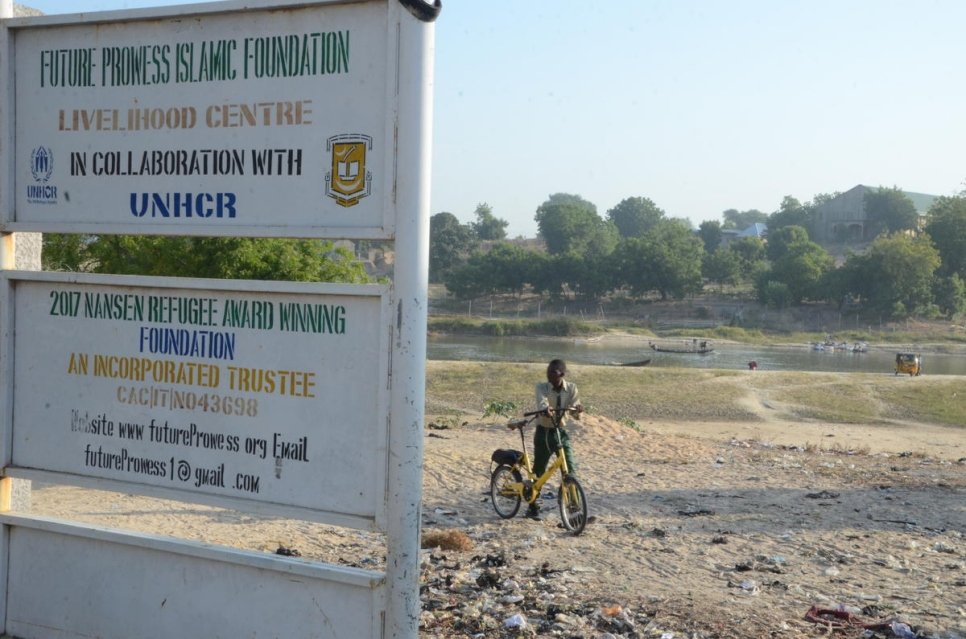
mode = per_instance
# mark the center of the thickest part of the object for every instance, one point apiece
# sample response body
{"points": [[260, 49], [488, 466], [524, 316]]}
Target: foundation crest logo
{"points": [[348, 180]]}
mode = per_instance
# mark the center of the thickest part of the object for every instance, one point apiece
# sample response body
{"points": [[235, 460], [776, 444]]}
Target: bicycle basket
{"points": [[506, 456]]}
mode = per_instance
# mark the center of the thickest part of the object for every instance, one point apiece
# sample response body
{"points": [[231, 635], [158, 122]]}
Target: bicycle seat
{"points": [[506, 456], [517, 423]]}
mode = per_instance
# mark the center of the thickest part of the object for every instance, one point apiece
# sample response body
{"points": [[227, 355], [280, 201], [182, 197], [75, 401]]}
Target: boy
{"points": [[556, 396]]}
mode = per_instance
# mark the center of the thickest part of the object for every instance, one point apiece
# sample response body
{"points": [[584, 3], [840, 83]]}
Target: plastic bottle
{"points": [[852, 610]]}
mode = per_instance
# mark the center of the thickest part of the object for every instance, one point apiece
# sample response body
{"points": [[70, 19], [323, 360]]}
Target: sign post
{"points": [[407, 399]]}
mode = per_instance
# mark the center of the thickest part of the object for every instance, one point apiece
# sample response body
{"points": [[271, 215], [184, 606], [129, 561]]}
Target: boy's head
{"points": [[556, 370]]}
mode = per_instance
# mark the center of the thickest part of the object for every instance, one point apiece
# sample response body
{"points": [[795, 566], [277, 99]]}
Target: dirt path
{"points": [[775, 423]]}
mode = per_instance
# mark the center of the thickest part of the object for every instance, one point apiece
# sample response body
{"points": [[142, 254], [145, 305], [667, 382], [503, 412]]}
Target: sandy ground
{"points": [[702, 530], [736, 530]]}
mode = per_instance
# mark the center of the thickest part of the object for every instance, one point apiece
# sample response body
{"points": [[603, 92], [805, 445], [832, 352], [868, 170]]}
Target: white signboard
{"points": [[243, 118], [276, 393], [262, 122]]}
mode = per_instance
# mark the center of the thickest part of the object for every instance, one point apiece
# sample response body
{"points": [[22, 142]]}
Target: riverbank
{"points": [[927, 337]]}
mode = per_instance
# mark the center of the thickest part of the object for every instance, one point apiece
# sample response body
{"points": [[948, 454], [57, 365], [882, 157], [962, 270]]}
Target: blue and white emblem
{"points": [[41, 163]]}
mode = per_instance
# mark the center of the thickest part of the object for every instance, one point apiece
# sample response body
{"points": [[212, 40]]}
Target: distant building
{"points": [[843, 218], [758, 229]]}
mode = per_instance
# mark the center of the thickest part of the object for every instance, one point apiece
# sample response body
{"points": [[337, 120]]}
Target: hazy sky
{"points": [[699, 105]]}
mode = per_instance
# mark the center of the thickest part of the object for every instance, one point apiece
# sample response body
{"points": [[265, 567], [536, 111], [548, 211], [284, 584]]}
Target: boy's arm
{"points": [[575, 402], [542, 401]]}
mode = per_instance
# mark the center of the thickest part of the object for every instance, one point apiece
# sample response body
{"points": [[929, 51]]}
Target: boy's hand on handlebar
{"points": [[576, 410]]}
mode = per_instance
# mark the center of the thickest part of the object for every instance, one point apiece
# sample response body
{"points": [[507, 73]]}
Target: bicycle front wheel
{"points": [[573, 505], [503, 491]]}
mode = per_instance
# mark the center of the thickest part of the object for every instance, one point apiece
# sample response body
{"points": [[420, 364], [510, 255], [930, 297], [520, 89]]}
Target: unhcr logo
{"points": [[41, 168], [348, 180]]}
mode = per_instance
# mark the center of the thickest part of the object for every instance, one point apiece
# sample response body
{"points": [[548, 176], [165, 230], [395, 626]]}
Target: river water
{"points": [[623, 349]]}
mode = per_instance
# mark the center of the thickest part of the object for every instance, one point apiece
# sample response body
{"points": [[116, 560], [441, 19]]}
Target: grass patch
{"points": [[684, 394], [472, 386], [612, 391], [627, 422], [841, 402], [942, 402]]}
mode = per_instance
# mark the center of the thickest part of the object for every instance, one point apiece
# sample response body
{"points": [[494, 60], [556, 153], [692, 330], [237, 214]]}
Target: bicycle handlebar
{"points": [[545, 411], [530, 416]]}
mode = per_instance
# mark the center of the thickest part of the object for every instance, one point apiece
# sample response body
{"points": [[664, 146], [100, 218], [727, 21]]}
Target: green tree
{"points": [[508, 267], [710, 233], [505, 268], [947, 228], [588, 276], [740, 220], [802, 268], [450, 245], [634, 260], [467, 281], [585, 275], [854, 279], [895, 276], [889, 210], [721, 267], [213, 257], [666, 260], [790, 213], [775, 294], [950, 295], [635, 216], [601, 240], [550, 274], [781, 239], [570, 223], [488, 226], [751, 256], [65, 252]]}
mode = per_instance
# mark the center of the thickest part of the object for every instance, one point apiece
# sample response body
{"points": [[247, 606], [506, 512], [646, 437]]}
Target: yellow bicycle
{"points": [[513, 482]]}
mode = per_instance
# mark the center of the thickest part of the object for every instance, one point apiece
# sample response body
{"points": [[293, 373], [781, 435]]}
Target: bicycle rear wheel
{"points": [[573, 505], [503, 493]]}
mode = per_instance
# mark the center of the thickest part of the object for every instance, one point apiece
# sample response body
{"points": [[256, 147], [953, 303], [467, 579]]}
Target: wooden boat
{"points": [[643, 362], [701, 348]]}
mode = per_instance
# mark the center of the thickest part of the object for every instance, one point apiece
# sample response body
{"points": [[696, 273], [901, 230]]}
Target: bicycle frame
{"points": [[526, 464], [512, 482]]}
